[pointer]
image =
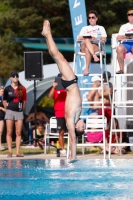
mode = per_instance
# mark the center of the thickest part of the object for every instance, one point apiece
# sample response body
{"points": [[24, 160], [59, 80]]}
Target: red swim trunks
{"points": [[107, 114]]}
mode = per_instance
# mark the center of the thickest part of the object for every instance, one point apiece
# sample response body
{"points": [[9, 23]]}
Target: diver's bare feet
{"points": [[96, 59], [72, 160], [46, 28]]}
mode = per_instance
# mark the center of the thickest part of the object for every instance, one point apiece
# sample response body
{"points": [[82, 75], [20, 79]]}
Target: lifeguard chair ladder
{"points": [[121, 102]]}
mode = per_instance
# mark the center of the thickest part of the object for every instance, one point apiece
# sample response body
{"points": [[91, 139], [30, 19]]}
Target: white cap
{"points": [[95, 78]]}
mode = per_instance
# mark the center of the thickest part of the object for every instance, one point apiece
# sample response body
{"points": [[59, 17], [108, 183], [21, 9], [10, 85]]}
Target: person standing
{"points": [[14, 101], [89, 35], [125, 46], [2, 115], [59, 97]]}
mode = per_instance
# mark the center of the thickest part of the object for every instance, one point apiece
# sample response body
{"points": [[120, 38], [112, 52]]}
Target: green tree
{"points": [[112, 13], [24, 18]]}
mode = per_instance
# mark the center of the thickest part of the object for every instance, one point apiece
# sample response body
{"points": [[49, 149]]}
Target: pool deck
{"points": [[79, 157]]}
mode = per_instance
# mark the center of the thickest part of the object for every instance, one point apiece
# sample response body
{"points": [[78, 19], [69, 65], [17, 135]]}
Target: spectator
{"points": [[2, 115], [89, 34], [116, 138], [94, 110], [125, 46], [59, 97], [94, 96], [106, 74], [106, 80], [40, 118], [39, 134], [14, 101], [107, 93]]}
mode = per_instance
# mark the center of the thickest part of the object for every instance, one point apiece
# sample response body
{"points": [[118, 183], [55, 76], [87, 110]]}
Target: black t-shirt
{"points": [[2, 114], [13, 102]]}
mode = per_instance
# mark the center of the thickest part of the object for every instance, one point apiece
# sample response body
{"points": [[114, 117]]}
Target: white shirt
{"points": [[126, 28], [92, 31]]}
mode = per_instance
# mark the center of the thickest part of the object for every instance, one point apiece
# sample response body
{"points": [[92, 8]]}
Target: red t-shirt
{"points": [[59, 102]]}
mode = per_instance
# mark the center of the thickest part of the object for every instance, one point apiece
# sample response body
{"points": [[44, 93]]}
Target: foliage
{"points": [[112, 13], [46, 102], [24, 18]]}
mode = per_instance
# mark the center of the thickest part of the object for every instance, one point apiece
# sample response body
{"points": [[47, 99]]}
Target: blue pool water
{"points": [[56, 179]]}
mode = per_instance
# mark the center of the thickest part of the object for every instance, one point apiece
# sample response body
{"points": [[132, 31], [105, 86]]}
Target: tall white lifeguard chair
{"points": [[85, 85], [122, 99]]}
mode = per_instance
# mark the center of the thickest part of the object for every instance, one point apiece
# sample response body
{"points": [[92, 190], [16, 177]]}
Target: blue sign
{"points": [[78, 16], [79, 19]]}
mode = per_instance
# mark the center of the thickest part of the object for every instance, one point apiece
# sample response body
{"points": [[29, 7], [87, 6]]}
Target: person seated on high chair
{"points": [[89, 35], [125, 46], [39, 134]]}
